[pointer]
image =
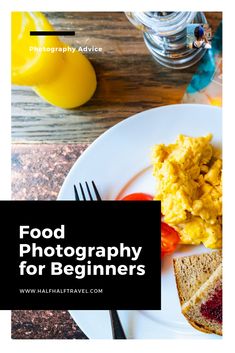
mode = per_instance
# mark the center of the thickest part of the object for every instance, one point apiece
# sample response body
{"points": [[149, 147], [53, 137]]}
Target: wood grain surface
{"points": [[129, 81]]}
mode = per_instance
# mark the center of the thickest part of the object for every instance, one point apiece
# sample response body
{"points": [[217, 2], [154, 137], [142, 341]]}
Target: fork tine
{"points": [[96, 191], [83, 198], [82, 191], [88, 190], [76, 193]]}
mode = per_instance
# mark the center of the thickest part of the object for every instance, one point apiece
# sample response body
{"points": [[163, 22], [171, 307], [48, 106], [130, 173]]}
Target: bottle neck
{"points": [[163, 24]]}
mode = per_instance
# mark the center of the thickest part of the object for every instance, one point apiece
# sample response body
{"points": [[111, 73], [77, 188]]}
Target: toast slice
{"points": [[192, 271], [204, 308]]}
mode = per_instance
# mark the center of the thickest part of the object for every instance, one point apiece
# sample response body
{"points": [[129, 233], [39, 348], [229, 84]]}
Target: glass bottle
{"points": [[165, 36]]}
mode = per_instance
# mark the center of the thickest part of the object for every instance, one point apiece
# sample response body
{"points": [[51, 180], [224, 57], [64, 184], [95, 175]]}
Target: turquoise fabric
{"points": [[206, 68]]}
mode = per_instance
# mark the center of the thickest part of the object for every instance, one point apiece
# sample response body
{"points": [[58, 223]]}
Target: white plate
{"points": [[119, 162]]}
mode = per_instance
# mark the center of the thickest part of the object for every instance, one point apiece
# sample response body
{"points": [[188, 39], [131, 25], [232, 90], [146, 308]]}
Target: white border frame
{"points": [[136, 346]]}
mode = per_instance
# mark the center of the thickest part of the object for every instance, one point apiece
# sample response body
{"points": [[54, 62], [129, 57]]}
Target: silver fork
{"points": [[117, 329]]}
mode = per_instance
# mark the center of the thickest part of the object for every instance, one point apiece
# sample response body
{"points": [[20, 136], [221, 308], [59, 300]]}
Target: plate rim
{"points": [[126, 121]]}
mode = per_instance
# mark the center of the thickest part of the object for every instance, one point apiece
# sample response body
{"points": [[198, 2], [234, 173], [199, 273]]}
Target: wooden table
{"points": [[129, 81]]}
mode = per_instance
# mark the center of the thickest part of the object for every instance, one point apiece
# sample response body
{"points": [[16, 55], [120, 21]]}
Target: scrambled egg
{"points": [[188, 175]]}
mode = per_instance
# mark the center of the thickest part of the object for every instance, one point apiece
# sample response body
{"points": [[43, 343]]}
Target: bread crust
{"points": [[197, 327], [177, 283], [203, 328]]}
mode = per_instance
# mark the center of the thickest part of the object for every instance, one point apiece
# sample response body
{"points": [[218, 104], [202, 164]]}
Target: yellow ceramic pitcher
{"points": [[58, 73]]}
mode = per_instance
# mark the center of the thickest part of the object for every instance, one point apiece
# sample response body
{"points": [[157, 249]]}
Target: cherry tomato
{"points": [[169, 236], [169, 239], [138, 197]]}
